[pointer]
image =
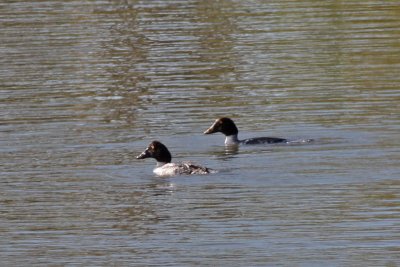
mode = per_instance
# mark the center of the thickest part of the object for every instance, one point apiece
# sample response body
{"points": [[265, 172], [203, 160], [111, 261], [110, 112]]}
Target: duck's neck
{"points": [[232, 140], [160, 164]]}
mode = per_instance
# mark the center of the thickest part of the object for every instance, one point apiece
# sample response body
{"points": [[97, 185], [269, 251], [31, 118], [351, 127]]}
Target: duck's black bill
{"points": [[210, 130], [143, 155]]}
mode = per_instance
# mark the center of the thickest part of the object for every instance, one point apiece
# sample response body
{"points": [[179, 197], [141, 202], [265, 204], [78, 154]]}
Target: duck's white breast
{"points": [[166, 170]]}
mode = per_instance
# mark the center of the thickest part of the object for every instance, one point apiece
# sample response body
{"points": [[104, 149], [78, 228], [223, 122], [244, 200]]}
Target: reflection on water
{"points": [[86, 85], [226, 152]]}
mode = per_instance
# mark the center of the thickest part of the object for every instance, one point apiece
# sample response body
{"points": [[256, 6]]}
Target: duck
{"points": [[229, 129], [165, 167]]}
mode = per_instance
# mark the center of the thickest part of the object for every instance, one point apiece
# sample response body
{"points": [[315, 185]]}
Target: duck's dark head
{"points": [[156, 150], [223, 125]]}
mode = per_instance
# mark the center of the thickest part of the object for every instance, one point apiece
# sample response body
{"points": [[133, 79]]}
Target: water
{"points": [[86, 85]]}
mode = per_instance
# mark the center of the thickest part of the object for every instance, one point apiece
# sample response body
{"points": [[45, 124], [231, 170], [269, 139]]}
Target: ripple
{"points": [[86, 85]]}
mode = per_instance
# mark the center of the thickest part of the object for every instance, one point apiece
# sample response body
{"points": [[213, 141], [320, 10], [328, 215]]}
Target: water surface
{"points": [[86, 85]]}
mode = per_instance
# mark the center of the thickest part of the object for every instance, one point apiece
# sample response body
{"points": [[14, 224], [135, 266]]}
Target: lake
{"points": [[86, 85]]}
